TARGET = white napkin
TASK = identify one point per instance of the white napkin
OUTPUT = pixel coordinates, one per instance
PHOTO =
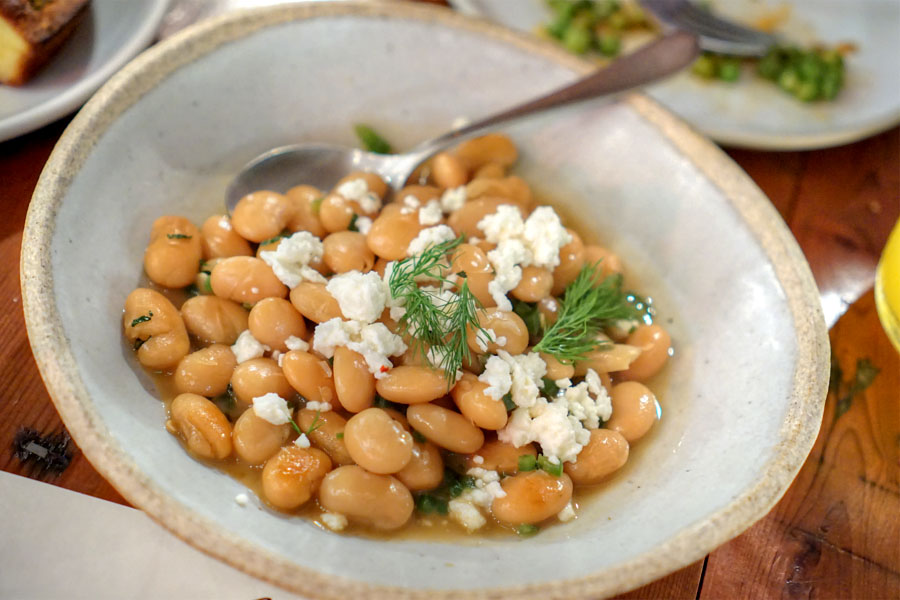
(55, 543)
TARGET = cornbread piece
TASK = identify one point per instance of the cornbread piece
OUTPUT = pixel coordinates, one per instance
(31, 31)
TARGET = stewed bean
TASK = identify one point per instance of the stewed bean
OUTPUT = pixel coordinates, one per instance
(214, 320)
(155, 329)
(326, 431)
(336, 212)
(310, 376)
(610, 263)
(172, 257)
(571, 260)
(532, 497)
(261, 215)
(353, 383)
(535, 284)
(377, 442)
(634, 410)
(555, 369)
(273, 320)
(448, 170)
(491, 148)
(605, 453)
(379, 501)
(245, 279)
(314, 302)
(373, 181)
(483, 410)
(654, 343)
(610, 358)
(347, 251)
(500, 456)
(255, 439)
(391, 233)
(510, 332)
(445, 428)
(425, 470)
(409, 384)
(512, 189)
(220, 240)
(466, 219)
(258, 377)
(291, 477)
(201, 424)
(206, 372)
(306, 202)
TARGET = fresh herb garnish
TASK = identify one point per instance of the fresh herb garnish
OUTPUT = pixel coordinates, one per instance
(371, 140)
(508, 402)
(530, 314)
(352, 226)
(551, 390)
(553, 468)
(383, 403)
(585, 308)
(226, 401)
(142, 319)
(527, 462)
(429, 503)
(315, 423)
(316, 204)
(178, 236)
(438, 325)
(339, 435)
(526, 530)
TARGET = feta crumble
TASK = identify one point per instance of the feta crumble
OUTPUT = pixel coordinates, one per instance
(453, 199)
(334, 521)
(560, 435)
(247, 347)
(363, 224)
(357, 190)
(467, 509)
(466, 513)
(242, 499)
(567, 513)
(302, 441)
(272, 408)
(290, 261)
(410, 205)
(431, 236)
(294, 343)
(362, 297)
(478, 459)
(520, 376)
(431, 213)
(373, 340)
(320, 406)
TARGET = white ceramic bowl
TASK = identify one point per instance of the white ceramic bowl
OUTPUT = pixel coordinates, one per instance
(744, 399)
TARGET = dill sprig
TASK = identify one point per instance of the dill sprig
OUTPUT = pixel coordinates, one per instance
(438, 326)
(585, 307)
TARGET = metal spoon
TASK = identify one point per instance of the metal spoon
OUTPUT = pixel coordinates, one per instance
(322, 165)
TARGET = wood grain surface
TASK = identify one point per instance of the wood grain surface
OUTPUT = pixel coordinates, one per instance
(836, 532)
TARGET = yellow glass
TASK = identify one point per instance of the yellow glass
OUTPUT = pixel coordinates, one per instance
(887, 287)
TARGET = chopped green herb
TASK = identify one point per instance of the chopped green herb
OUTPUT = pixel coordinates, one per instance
(530, 314)
(419, 437)
(247, 305)
(551, 390)
(382, 403)
(142, 319)
(429, 503)
(316, 204)
(339, 435)
(178, 236)
(315, 423)
(371, 140)
(460, 485)
(585, 308)
(226, 401)
(508, 402)
(527, 462)
(272, 240)
(555, 469)
(527, 530)
(352, 226)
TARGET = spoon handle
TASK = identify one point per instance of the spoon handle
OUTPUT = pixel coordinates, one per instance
(650, 63)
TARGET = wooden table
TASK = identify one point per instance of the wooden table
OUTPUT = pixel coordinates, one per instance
(835, 534)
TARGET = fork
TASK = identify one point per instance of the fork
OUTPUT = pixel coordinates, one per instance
(713, 34)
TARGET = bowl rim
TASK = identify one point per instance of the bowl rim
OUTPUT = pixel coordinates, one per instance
(55, 358)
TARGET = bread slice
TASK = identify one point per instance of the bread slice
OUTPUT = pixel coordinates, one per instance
(31, 31)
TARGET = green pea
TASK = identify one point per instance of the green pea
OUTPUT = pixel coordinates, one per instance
(729, 70)
(705, 67)
(609, 45)
(577, 40)
(788, 80)
(807, 91)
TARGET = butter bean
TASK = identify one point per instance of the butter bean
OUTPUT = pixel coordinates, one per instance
(377, 501)
(532, 497)
(202, 426)
(154, 327)
(291, 477)
(445, 428)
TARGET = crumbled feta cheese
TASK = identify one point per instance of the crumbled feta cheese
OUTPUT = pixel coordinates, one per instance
(334, 521)
(272, 408)
(294, 343)
(567, 513)
(563, 383)
(545, 235)
(242, 499)
(466, 514)
(478, 459)
(548, 423)
(357, 190)
(589, 410)
(276, 356)
(410, 205)
(431, 213)
(489, 481)
(428, 237)
(453, 199)
(362, 297)
(320, 406)
(247, 347)
(483, 337)
(373, 340)
(497, 375)
(501, 341)
(519, 375)
(280, 359)
(504, 224)
(302, 441)
(363, 225)
(505, 259)
(290, 261)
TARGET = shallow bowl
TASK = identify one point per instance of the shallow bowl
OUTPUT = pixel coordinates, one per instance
(743, 398)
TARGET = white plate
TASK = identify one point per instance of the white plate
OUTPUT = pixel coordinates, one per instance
(753, 113)
(112, 32)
